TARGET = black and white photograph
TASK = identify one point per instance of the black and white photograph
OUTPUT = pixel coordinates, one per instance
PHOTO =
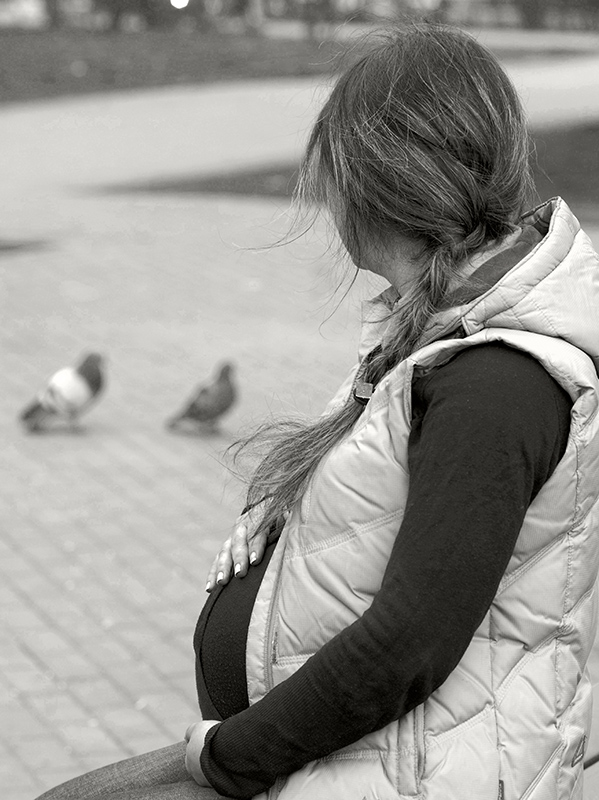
(299, 346)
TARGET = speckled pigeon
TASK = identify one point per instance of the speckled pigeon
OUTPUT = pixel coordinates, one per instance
(68, 393)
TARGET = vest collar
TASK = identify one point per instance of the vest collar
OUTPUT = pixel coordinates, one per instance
(518, 284)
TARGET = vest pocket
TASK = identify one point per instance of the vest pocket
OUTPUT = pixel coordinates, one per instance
(575, 725)
(410, 753)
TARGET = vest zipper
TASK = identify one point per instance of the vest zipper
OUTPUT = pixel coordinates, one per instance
(270, 658)
(271, 636)
(420, 743)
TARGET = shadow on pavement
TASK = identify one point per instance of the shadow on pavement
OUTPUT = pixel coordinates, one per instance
(276, 180)
(8, 247)
(565, 162)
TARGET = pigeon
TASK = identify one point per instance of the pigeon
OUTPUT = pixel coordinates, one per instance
(209, 402)
(68, 393)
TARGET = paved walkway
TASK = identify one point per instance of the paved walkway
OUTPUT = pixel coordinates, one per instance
(108, 534)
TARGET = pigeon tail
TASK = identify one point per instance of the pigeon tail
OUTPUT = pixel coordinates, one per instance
(35, 414)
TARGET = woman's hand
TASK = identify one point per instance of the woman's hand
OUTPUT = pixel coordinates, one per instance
(195, 736)
(242, 549)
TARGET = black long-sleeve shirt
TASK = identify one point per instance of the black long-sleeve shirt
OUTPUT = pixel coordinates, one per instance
(488, 430)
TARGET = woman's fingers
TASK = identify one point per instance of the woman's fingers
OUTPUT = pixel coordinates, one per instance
(256, 548)
(239, 549)
(221, 568)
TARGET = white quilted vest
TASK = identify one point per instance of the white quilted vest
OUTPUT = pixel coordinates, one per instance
(510, 721)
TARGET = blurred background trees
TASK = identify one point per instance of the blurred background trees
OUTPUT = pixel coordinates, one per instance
(110, 13)
(582, 14)
(251, 14)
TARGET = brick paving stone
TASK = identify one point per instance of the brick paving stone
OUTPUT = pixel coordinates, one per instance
(57, 707)
(16, 778)
(48, 778)
(145, 743)
(168, 657)
(103, 692)
(89, 739)
(18, 722)
(27, 678)
(184, 684)
(129, 722)
(166, 703)
(43, 755)
(68, 664)
(104, 651)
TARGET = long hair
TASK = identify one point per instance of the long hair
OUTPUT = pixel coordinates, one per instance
(423, 137)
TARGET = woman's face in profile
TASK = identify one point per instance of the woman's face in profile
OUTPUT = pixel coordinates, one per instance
(396, 259)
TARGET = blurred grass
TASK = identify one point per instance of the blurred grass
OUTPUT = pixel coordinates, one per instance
(40, 64)
(43, 64)
(566, 163)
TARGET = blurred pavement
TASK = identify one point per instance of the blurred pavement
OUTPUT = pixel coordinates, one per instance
(108, 533)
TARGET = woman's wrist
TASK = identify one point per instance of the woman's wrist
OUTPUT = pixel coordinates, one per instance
(195, 736)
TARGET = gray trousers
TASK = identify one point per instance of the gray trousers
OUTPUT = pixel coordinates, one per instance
(158, 775)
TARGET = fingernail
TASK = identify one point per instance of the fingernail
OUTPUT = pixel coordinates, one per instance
(237, 569)
(253, 558)
(208, 586)
(220, 577)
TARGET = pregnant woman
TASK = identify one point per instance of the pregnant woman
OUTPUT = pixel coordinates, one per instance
(407, 606)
